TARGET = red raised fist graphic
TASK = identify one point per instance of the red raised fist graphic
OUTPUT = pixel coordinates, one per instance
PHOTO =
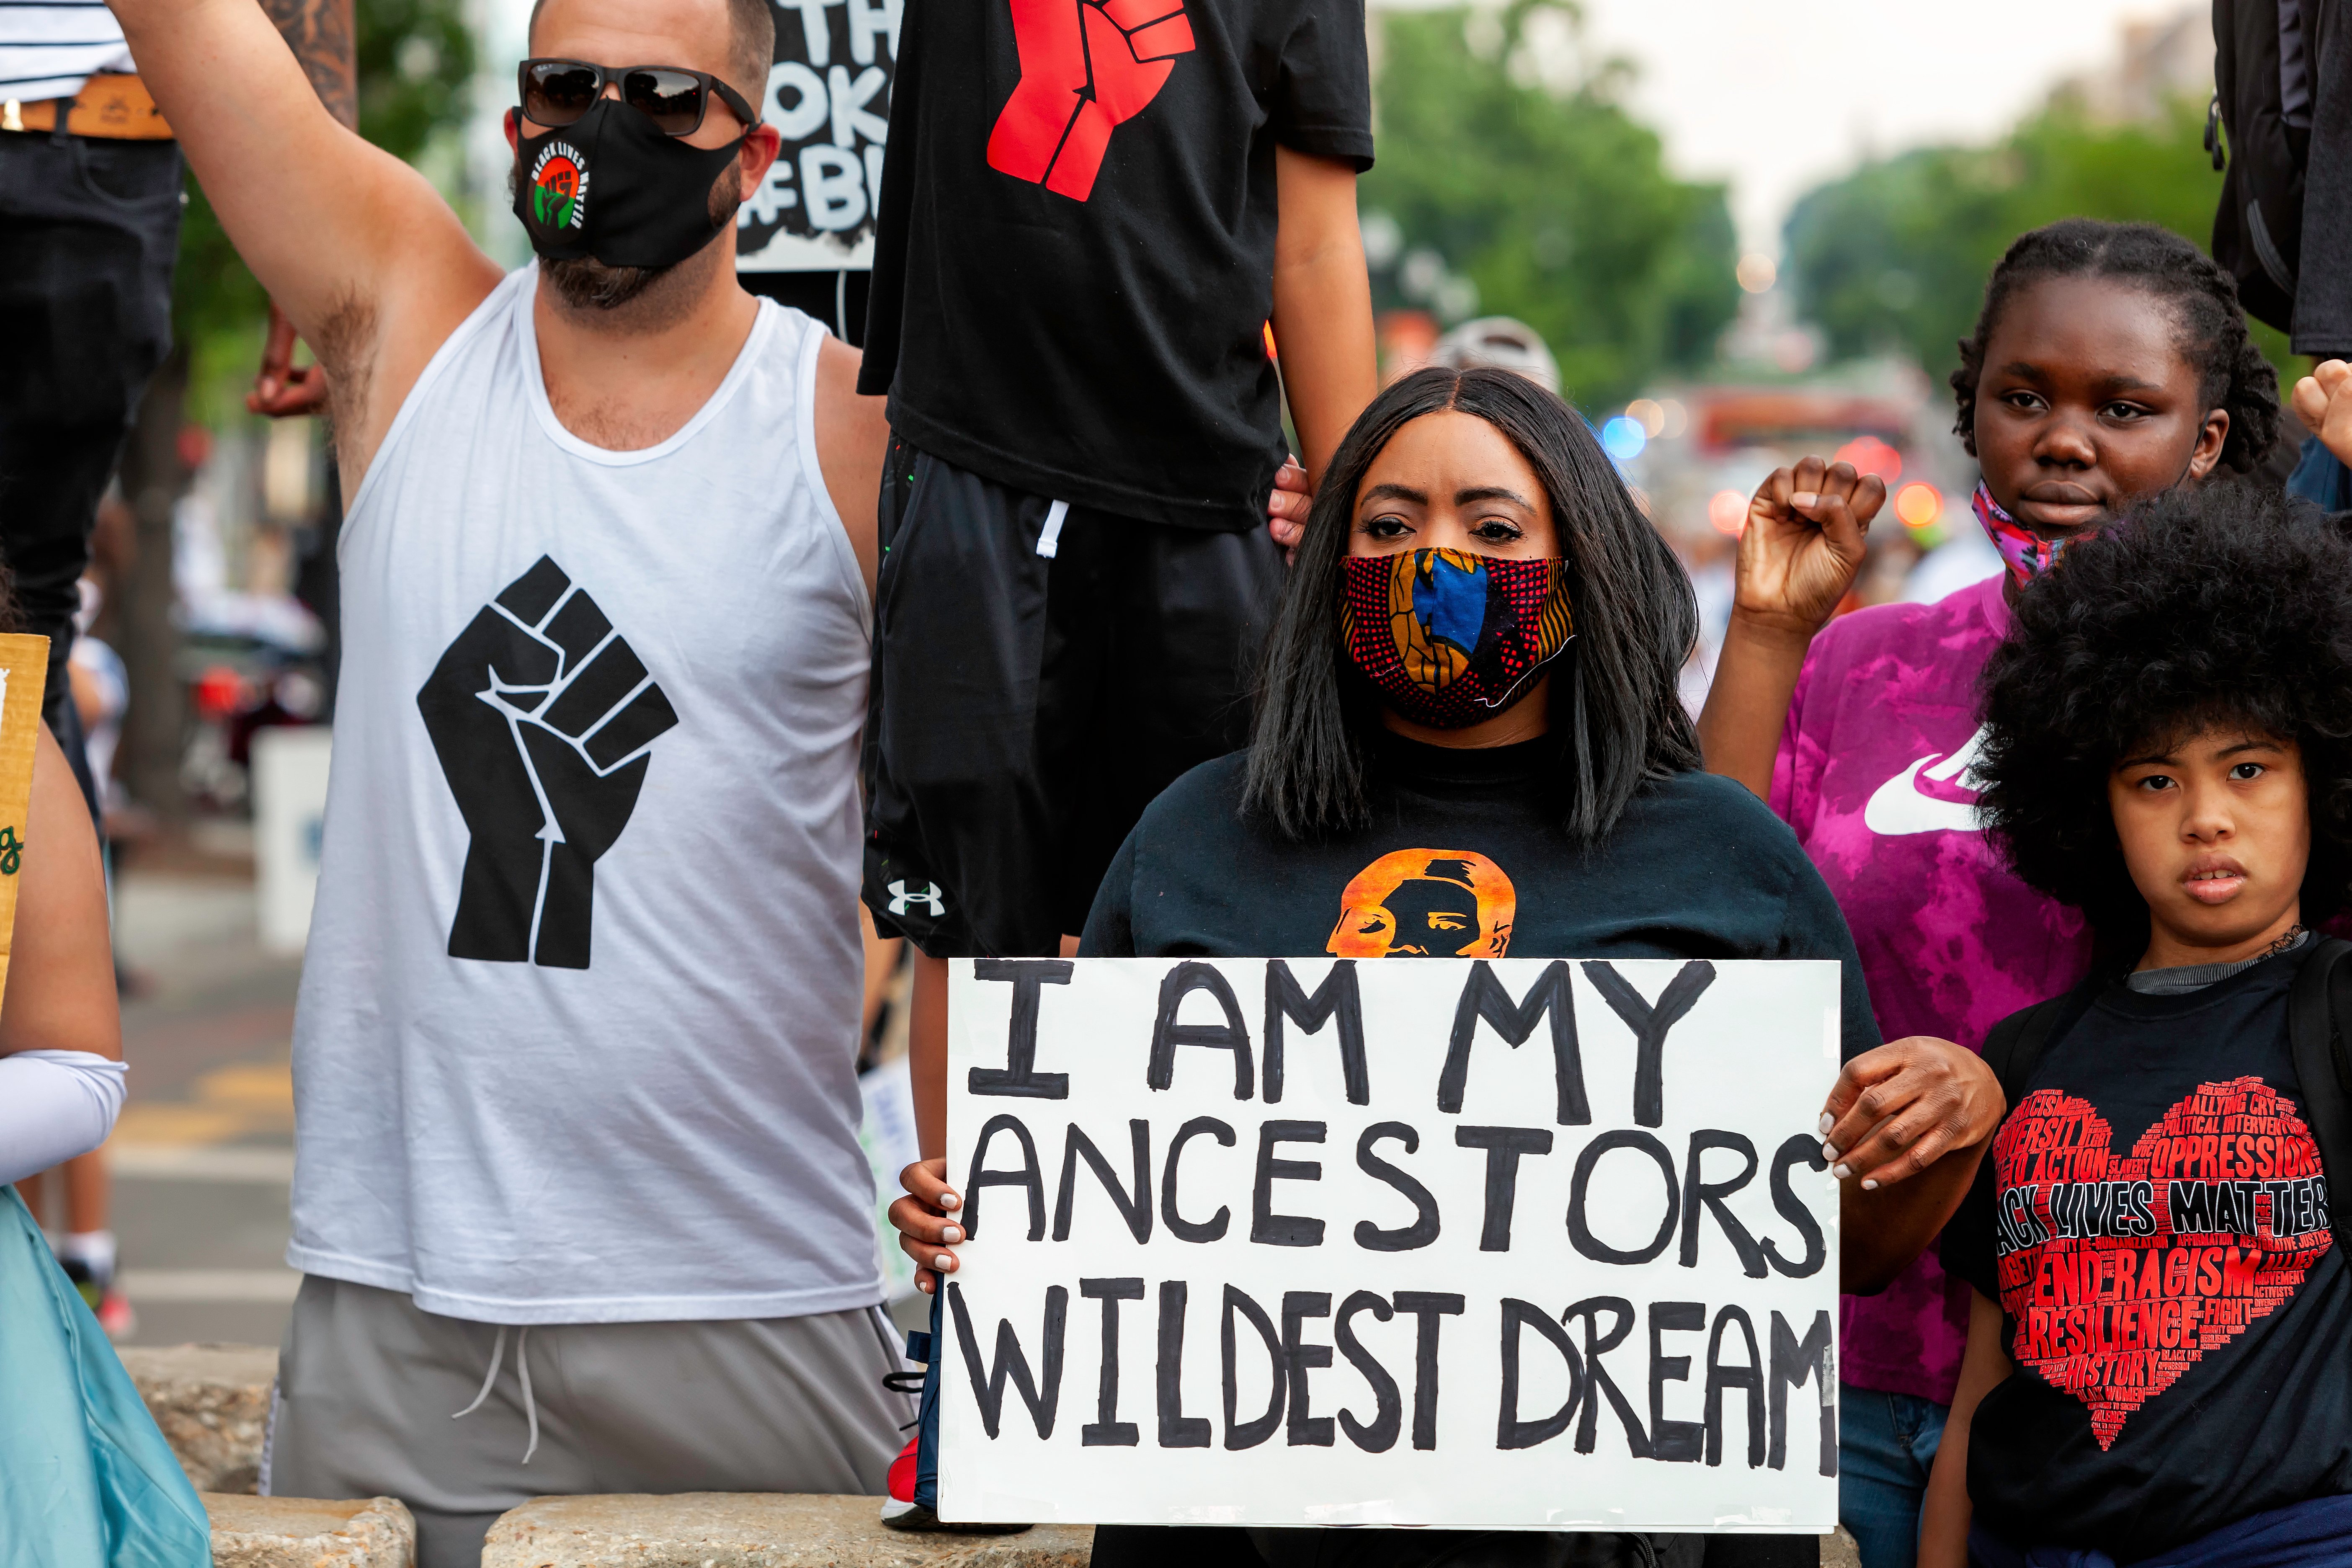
(1084, 68)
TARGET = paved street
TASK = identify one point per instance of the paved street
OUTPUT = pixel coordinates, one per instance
(204, 1152)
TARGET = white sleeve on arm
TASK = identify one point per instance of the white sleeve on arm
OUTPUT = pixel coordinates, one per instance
(53, 1106)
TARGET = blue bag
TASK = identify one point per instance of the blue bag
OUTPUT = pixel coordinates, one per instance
(85, 1480)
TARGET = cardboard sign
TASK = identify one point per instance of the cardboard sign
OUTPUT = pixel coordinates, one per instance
(1530, 1244)
(23, 674)
(828, 96)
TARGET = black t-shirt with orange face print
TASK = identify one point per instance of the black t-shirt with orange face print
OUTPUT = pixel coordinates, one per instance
(1467, 859)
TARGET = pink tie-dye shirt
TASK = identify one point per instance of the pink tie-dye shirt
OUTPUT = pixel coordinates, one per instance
(1873, 775)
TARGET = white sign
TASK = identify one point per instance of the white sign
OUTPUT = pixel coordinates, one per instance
(1508, 1244)
(289, 812)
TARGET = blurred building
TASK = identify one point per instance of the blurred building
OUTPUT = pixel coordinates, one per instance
(2155, 64)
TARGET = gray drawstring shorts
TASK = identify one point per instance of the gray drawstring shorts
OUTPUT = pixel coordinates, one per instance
(368, 1387)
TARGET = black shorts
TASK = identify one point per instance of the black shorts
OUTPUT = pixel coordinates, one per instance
(1028, 703)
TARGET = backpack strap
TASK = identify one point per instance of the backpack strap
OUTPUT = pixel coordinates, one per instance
(2316, 1009)
(2015, 1045)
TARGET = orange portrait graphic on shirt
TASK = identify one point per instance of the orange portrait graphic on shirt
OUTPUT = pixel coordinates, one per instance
(1426, 903)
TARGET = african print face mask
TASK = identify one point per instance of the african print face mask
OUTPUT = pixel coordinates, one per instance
(2027, 553)
(1451, 638)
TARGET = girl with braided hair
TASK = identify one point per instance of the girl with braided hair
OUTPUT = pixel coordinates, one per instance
(2111, 363)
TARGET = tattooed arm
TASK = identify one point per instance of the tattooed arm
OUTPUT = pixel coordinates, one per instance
(359, 248)
(320, 34)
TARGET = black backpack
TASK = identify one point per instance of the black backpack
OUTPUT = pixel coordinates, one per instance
(2322, 997)
(2258, 227)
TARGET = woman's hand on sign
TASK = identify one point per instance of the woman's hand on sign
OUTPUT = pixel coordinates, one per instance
(1898, 1109)
(1802, 546)
(927, 1221)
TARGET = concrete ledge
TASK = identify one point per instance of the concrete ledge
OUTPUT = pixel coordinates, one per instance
(302, 1532)
(213, 1404)
(754, 1529)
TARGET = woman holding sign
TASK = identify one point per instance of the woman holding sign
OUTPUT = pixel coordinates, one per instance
(1469, 744)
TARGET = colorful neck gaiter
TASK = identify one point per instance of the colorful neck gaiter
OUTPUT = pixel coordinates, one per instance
(1451, 638)
(2027, 553)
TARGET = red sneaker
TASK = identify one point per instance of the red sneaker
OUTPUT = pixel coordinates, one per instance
(115, 1316)
(902, 1473)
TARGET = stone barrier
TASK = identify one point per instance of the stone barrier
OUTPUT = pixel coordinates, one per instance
(302, 1532)
(213, 1404)
(748, 1529)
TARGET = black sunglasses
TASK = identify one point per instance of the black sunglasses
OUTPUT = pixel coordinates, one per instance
(557, 92)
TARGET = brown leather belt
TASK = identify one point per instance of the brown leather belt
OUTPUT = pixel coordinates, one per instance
(112, 105)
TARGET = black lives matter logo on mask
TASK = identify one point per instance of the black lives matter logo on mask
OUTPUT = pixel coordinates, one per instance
(543, 719)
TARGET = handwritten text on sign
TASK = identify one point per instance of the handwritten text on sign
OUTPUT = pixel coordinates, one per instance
(1314, 1242)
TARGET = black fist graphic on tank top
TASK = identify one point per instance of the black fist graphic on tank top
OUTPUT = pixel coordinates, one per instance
(542, 717)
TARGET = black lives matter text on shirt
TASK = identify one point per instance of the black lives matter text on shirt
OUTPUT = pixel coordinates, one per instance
(1755, 1357)
(1073, 270)
(1466, 858)
(2154, 1221)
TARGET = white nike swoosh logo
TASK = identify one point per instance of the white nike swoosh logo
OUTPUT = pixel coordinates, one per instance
(1898, 806)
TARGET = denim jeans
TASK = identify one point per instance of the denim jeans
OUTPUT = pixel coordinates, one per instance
(89, 230)
(1887, 1445)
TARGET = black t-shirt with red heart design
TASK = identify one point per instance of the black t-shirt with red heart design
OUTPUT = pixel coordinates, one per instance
(2154, 1221)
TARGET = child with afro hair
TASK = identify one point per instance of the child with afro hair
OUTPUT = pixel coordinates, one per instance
(2154, 1360)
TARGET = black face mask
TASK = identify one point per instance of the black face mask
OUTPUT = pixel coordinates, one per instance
(612, 187)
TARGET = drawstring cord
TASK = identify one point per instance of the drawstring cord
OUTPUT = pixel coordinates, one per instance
(522, 1370)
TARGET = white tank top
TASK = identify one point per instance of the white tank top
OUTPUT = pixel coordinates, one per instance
(578, 1017)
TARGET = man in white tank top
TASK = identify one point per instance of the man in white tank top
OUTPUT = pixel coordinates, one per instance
(575, 1102)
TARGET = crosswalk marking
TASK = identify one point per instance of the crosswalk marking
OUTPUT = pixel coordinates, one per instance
(136, 1161)
(264, 1285)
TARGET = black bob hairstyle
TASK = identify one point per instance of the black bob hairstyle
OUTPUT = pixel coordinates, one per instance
(2232, 373)
(1616, 716)
(2220, 604)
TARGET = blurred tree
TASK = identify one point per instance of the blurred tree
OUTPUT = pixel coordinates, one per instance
(1895, 256)
(416, 64)
(1505, 153)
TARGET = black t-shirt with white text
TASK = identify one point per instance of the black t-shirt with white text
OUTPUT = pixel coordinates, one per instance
(1074, 264)
(2153, 1219)
(1467, 858)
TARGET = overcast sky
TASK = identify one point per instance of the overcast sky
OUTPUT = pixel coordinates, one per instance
(1776, 95)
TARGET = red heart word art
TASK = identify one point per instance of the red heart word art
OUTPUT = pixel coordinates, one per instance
(2122, 1271)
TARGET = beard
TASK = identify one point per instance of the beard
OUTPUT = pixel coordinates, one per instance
(586, 284)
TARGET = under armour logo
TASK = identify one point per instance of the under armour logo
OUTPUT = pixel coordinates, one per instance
(934, 903)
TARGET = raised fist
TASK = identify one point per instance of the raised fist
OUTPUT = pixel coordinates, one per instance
(1084, 68)
(2323, 401)
(1802, 545)
(542, 716)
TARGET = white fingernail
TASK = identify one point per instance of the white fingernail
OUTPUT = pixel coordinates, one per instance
(949, 1200)
(1828, 1121)
(1840, 1172)
(950, 1235)
(944, 1261)
(1829, 1151)
(1870, 1185)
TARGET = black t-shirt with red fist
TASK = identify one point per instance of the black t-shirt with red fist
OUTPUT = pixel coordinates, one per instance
(1074, 267)
(2154, 1221)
